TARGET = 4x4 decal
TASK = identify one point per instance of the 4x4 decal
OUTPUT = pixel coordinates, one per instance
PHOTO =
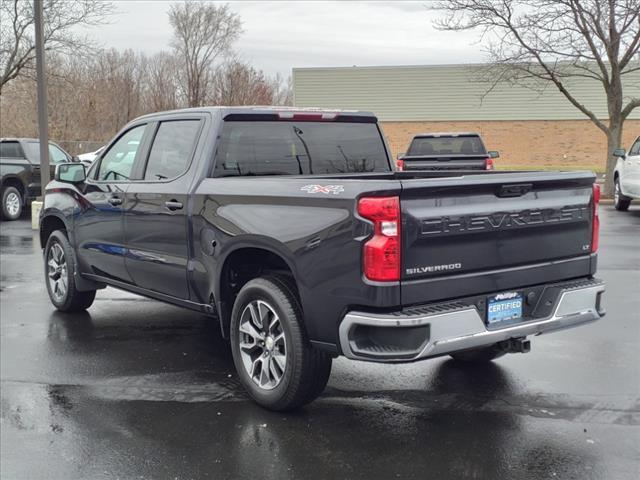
(326, 189)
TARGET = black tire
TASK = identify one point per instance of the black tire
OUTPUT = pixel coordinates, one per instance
(307, 369)
(12, 203)
(620, 202)
(72, 300)
(480, 355)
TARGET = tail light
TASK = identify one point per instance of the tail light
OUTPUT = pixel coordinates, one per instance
(399, 165)
(489, 164)
(595, 235)
(381, 253)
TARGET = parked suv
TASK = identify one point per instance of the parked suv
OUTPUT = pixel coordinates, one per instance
(20, 172)
(626, 176)
(293, 231)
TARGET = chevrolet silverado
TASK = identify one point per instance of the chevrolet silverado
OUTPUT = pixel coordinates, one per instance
(291, 229)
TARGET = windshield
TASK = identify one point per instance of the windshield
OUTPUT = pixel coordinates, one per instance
(299, 148)
(458, 145)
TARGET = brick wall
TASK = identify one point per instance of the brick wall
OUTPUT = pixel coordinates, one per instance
(531, 143)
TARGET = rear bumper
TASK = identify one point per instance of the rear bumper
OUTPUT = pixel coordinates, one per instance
(443, 329)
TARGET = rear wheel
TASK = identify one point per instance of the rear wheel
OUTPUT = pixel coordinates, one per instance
(274, 359)
(620, 202)
(59, 275)
(480, 355)
(12, 203)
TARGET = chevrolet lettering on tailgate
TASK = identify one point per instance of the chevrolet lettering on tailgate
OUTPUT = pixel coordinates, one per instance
(495, 221)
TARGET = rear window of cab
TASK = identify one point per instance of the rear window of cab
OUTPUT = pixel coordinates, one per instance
(247, 148)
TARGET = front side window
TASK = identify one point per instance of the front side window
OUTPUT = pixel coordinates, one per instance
(172, 148)
(117, 163)
(635, 149)
(248, 148)
(56, 155)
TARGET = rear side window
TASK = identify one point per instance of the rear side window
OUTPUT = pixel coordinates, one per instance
(11, 150)
(298, 148)
(460, 145)
(172, 149)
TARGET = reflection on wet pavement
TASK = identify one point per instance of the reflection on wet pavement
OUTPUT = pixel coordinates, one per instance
(138, 389)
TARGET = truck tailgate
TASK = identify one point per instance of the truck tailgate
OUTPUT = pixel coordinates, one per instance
(482, 233)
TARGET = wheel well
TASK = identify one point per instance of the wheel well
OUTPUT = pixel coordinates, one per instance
(240, 267)
(14, 182)
(48, 226)
(615, 175)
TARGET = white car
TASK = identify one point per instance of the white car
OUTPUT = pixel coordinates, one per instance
(626, 176)
(87, 158)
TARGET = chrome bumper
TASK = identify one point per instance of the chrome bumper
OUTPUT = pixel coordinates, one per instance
(461, 327)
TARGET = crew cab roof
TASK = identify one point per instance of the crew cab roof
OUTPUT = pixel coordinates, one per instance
(260, 110)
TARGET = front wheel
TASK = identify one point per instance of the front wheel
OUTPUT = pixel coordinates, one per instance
(12, 203)
(274, 359)
(59, 275)
(620, 202)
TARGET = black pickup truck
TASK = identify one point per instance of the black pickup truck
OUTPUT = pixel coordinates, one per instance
(292, 229)
(447, 151)
(20, 172)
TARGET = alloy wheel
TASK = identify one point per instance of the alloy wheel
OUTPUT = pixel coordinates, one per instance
(57, 272)
(263, 346)
(12, 204)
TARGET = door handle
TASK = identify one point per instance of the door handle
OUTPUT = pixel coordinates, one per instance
(173, 205)
(115, 201)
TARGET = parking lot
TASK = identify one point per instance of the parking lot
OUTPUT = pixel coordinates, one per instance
(138, 389)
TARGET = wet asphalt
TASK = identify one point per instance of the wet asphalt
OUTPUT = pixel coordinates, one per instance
(136, 389)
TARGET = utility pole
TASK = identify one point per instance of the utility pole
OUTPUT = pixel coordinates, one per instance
(43, 128)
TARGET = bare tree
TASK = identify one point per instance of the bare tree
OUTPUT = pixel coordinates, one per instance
(237, 83)
(552, 41)
(283, 91)
(117, 88)
(162, 89)
(203, 33)
(17, 42)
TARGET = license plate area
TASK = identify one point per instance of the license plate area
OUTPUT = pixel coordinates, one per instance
(504, 307)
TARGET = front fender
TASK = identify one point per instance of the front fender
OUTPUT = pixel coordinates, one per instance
(63, 201)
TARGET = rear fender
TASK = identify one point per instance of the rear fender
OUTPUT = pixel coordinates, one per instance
(252, 242)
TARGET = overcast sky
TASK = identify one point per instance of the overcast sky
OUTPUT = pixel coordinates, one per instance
(281, 35)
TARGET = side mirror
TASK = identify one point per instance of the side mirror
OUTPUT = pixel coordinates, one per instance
(620, 152)
(70, 173)
(493, 154)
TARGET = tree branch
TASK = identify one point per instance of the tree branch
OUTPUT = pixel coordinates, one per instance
(626, 111)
